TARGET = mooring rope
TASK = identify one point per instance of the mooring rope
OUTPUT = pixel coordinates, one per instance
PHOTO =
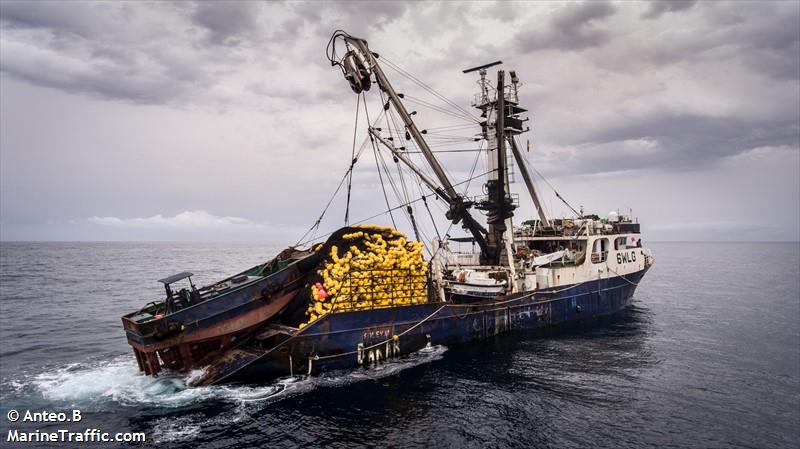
(623, 277)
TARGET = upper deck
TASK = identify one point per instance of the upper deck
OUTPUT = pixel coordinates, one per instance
(575, 228)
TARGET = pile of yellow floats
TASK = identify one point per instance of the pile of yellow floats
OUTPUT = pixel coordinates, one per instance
(371, 267)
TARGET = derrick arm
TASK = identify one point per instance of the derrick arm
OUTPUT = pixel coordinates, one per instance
(458, 206)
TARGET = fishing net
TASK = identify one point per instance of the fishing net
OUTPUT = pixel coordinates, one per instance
(366, 267)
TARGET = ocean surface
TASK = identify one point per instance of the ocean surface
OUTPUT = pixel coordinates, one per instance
(708, 355)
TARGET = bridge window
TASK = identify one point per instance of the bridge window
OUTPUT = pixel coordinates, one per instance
(620, 243)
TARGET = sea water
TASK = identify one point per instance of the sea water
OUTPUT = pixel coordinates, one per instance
(708, 355)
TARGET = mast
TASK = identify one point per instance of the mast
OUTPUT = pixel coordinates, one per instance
(500, 124)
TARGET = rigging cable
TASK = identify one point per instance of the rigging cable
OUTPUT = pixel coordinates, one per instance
(335, 192)
(529, 164)
(466, 181)
(453, 127)
(442, 137)
(395, 132)
(466, 190)
(558, 195)
(404, 198)
(409, 209)
(434, 107)
(392, 184)
(375, 153)
(420, 83)
(353, 161)
(430, 214)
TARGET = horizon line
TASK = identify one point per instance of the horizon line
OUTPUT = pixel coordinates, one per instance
(276, 243)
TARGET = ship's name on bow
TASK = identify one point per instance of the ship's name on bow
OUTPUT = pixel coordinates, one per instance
(626, 257)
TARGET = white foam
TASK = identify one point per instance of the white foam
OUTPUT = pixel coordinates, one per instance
(97, 384)
(196, 376)
(119, 380)
(76, 382)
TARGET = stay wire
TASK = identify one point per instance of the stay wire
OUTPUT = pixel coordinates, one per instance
(352, 161)
(558, 195)
(395, 133)
(439, 109)
(466, 181)
(464, 115)
(420, 83)
(378, 167)
(466, 190)
(403, 200)
(335, 192)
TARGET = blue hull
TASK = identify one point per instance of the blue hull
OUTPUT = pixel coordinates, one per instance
(352, 339)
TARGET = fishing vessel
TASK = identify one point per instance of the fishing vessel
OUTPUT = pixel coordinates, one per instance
(366, 293)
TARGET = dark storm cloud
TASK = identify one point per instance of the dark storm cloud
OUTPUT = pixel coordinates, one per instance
(71, 18)
(657, 8)
(168, 53)
(355, 17)
(769, 38)
(97, 81)
(765, 36)
(115, 72)
(227, 22)
(732, 86)
(379, 14)
(679, 142)
(110, 50)
(375, 14)
(573, 28)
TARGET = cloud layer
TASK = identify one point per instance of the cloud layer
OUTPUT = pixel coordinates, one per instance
(129, 109)
(187, 220)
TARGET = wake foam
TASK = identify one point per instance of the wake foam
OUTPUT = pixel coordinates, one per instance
(119, 381)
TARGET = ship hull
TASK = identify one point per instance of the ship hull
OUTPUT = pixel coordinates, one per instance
(187, 338)
(360, 338)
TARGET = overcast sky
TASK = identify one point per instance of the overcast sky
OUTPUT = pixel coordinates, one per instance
(224, 121)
